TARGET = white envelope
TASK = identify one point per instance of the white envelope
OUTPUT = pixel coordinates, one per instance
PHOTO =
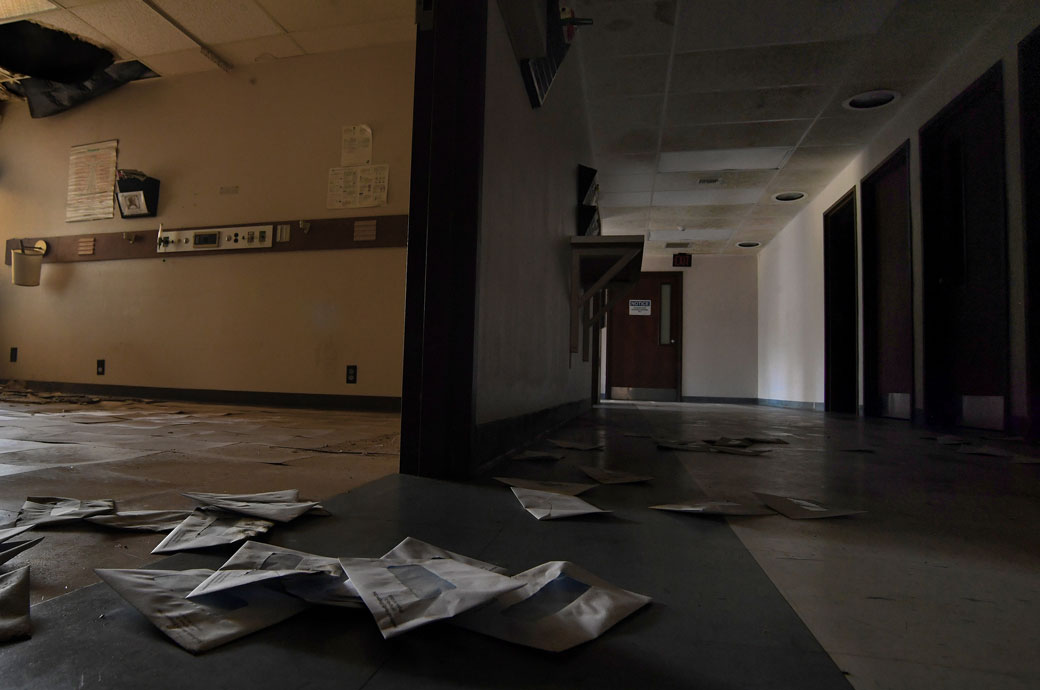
(211, 528)
(142, 520)
(415, 549)
(47, 510)
(546, 505)
(9, 550)
(560, 605)
(406, 594)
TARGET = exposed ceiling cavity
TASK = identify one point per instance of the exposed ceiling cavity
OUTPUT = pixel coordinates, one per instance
(36, 51)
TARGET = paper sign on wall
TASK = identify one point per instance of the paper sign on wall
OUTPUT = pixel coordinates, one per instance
(357, 145)
(92, 182)
(639, 307)
(358, 187)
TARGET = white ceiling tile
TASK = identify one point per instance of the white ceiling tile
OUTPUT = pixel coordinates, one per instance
(625, 199)
(9, 9)
(302, 15)
(642, 111)
(624, 140)
(359, 36)
(625, 76)
(623, 226)
(846, 130)
(66, 21)
(624, 212)
(724, 159)
(769, 66)
(785, 103)
(707, 197)
(255, 50)
(687, 215)
(179, 62)
(609, 184)
(821, 157)
(743, 24)
(135, 26)
(627, 28)
(731, 179)
(220, 22)
(733, 136)
(626, 163)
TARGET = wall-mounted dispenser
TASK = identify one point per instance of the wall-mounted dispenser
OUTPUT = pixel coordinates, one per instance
(137, 194)
(26, 263)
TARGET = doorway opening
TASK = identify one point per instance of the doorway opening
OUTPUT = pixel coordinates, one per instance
(841, 334)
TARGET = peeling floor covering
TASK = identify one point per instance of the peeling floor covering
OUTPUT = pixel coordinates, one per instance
(144, 454)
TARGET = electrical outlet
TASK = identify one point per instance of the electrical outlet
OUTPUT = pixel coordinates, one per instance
(101, 367)
(14, 354)
(351, 373)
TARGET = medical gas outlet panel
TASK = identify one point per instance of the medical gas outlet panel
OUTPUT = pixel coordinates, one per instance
(245, 237)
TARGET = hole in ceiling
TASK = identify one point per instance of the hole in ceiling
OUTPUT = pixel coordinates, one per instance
(749, 245)
(37, 51)
(870, 100)
(789, 196)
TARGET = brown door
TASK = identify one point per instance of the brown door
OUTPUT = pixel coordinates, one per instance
(644, 341)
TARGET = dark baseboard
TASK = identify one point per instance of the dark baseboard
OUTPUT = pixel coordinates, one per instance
(711, 400)
(368, 403)
(792, 404)
(494, 439)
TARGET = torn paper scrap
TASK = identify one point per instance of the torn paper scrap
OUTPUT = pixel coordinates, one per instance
(142, 520)
(15, 623)
(539, 455)
(559, 606)
(716, 508)
(605, 476)
(403, 595)
(575, 445)
(200, 624)
(6, 534)
(211, 528)
(546, 505)
(417, 550)
(10, 549)
(48, 510)
(566, 488)
(280, 506)
(318, 579)
(801, 509)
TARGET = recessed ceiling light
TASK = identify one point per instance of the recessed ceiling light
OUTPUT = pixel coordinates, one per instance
(749, 245)
(789, 196)
(869, 100)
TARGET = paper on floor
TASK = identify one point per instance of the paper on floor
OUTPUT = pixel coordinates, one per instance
(538, 455)
(6, 534)
(142, 520)
(315, 579)
(605, 476)
(48, 510)
(688, 446)
(546, 505)
(406, 594)
(801, 509)
(10, 549)
(560, 605)
(575, 445)
(209, 527)
(200, 624)
(565, 488)
(716, 508)
(417, 550)
(280, 506)
(15, 623)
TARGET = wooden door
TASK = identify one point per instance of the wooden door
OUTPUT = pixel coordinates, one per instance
(644, 341)
(888, 306)
(840, 321)
(966, 339)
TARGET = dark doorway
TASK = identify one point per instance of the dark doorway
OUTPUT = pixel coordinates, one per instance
(888, 306)
(644, 341)
(839, 278)
(966, 342)
(1029, 94)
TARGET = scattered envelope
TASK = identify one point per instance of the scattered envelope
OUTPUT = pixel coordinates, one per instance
(566, 488)
(49, 510)
(403, 595)
(15, 623)
(605, 476)
(801, 509)
(416, 550)
(6, 534)
(546, 505)
(716, 508)
(280, 506)
(200, 624)
(10, 549)
(142, 520)
(539, 455)
(558, 606)
(575, 445)
(211, 528)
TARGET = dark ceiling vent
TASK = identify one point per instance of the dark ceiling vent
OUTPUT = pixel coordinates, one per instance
(708, 180)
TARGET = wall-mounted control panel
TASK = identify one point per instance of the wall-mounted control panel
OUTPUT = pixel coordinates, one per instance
(244, 237)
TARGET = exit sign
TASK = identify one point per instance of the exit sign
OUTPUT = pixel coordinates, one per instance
(682, 260)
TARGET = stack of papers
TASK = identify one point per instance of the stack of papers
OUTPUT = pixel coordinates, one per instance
(14, 605)
(208, 527)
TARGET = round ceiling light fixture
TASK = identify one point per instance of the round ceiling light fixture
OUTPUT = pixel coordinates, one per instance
(789, 196)
(749, 245)
(871, 100)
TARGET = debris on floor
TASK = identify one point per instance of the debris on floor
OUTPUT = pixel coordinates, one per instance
(142, 520)
(605, 476)
(539, 455)
(211, 527)
(10, 549)
(565, 488)
(801, 509)
(279, 506)
(49, 510)
(15, 623)
(717, 508)
(575, 445)
(546, 505)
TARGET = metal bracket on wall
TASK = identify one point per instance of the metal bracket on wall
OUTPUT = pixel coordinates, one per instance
(600, 263)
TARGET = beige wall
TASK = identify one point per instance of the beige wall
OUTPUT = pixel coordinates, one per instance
(790, 268)
(531, 159)
(284, 322)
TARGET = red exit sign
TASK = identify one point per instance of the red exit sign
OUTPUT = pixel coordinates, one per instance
(682, 260)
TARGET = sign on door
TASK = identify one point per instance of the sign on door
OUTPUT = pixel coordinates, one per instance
(639, 307)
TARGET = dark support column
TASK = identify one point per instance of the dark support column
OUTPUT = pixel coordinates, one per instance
(437, 420)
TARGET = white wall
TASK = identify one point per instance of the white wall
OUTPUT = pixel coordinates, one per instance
(790, 267)
(529, 204)
(720, 325)
(281, 322)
